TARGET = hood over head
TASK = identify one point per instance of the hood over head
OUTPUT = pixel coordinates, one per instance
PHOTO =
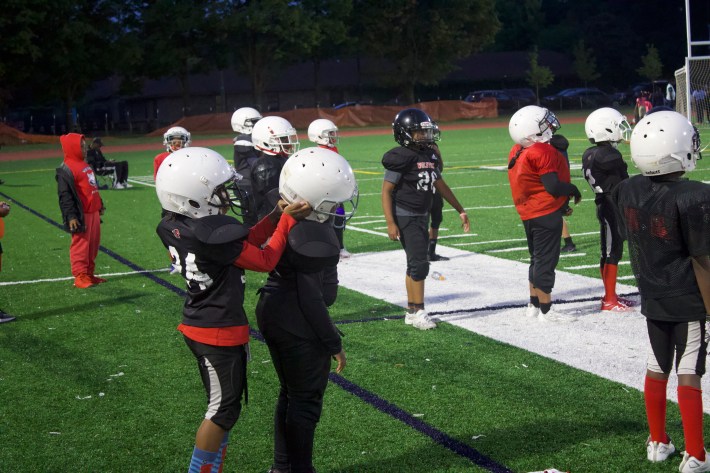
(71, 145)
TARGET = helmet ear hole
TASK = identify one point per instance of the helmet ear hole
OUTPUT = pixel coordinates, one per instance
(193, 204)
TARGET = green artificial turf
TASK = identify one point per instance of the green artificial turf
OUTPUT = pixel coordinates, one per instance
(99, 380)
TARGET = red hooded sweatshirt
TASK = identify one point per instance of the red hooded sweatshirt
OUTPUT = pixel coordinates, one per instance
(84, 178)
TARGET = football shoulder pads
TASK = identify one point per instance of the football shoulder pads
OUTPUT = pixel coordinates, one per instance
(399, 159)
(314, 240)
(218, 229)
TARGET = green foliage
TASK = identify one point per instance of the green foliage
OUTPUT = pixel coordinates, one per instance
(651, 67)
(538, 76)
(422, 40)
(585, 64)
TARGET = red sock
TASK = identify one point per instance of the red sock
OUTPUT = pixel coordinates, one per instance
(690, 402)
(654, 393)
(609, 278)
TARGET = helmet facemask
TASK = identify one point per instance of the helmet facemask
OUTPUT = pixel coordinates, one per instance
(229, 196)
(548, 126)
(285, 145)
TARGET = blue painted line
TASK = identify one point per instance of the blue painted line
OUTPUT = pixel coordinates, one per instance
(377, 402)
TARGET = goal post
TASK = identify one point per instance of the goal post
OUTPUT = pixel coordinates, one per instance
(693, 89)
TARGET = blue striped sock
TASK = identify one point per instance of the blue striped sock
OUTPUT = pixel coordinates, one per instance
(217, 465)
(201, 461)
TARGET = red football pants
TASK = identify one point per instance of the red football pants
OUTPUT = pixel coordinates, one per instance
(85, 246)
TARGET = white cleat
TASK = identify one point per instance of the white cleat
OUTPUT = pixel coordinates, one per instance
(531, 310)
(690, 464)
(659, 451)
(420, 320)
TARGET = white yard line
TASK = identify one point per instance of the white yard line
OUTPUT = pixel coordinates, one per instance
(69, 278)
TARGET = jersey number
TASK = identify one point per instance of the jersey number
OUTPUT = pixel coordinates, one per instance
(426, 181)
(191, 273)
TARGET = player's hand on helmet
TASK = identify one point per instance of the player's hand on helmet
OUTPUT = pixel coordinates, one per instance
(393, 231)
(340, 358)
(298, 210)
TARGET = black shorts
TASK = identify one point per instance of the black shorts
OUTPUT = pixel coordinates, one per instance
(683, 341)
(224, 375)
(544, 235)
(414, 237)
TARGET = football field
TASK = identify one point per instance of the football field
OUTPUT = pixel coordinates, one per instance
(99, 380)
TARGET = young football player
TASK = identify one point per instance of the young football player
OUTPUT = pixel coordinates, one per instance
(540, 184)
(245, 156)
(211, 250)
(174, 139)
(561, 144)
(324, 133)
(667, 222)
(411, 179)
(276, 140)
(81, 207)
(604, 168)
(292, 311)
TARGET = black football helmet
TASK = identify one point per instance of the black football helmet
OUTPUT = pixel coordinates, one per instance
(413, 128)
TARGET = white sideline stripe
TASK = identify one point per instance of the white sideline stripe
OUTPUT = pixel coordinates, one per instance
(590, 266)
(489, 242)
(611, 345)
(507, 250)
(35, 281)
(572, 255)
(142, 180)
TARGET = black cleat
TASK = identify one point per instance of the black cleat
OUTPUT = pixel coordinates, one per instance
(5, 317)
(568, 248)
(435, 257)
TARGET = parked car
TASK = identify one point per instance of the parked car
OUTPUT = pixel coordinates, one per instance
(524, 96)
(505, 100)
(578, 98)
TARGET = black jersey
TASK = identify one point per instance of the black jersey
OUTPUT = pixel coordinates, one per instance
(415, 173)
(304, 283)
(265, 178)
(204, 251)
(603, 168)
(667, 222)
(245, 156)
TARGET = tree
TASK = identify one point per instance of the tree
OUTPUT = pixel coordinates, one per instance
(264, 36)
(585, 64)
(522, 22)
(421, 40)
(329, 20)
(538, 76)
(651, 67)
(177, 41)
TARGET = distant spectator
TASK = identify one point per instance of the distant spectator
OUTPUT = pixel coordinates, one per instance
(4, 211)
(81, 207)
(670, 95)
(96, 159)
(643, 106)
(699, 96)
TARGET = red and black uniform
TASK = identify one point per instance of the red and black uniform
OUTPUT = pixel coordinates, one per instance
(292, 314)
(212, 253)
(540, 184)
(604, 168)
(79, 199)
(413, 173)
(158, 160)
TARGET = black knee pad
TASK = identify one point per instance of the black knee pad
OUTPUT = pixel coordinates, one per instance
(419, 271)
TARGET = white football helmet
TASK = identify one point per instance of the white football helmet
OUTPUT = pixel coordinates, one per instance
(197, 182)
(607, 124)
(275, 136)
(665, 142)
(243, 120)
(322, 178)
(176, 138)
(323, 132)
(532, 124)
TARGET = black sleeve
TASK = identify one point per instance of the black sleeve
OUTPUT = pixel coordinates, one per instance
(67, 203)
(399, 160)
(312, 302)
(557, 188)
(330, 285)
